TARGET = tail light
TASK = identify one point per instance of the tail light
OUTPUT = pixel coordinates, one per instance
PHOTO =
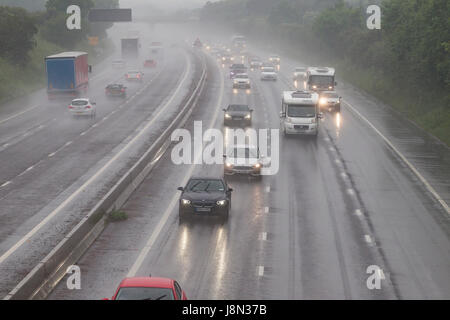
(70, 106)
(122, 90)
(88, 107)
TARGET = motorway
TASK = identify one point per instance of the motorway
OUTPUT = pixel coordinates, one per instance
(338, 204)
(54, 167)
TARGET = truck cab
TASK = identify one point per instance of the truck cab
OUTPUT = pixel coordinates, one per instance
(320, 79)
(300, 113)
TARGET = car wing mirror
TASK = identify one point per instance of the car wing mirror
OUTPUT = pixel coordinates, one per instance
(230, 189)
(180, 188)
(224, 109)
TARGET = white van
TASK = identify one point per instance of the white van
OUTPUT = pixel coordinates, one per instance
(300, 113)
(320, 79)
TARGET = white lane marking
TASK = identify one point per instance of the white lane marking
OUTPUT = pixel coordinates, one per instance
(83, 133)
(5, 184)
(51, 154)
(266, 209)
(351, 192)
(263, 236)
(268, 189)
(260, 271)
(33, 231)
(409, 164)
(68, 143)
(344, 175)
(337, 161)
(368, 238)
(162, 222)
(94, 125)
(30, 168)
(358, 212)
(5, 145)
(17, 114)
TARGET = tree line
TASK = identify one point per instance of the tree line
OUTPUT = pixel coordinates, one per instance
(19, 27)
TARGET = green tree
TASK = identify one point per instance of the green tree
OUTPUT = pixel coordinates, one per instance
(17, 30)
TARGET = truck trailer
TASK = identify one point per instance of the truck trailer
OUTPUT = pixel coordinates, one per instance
(130, 48)
(67, 74)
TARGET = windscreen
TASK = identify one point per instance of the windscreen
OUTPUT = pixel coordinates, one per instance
(238, 107)
(322, 80)
(143, 293)
(301, 111)
(239, 152)
(79, 103)
(198, 185)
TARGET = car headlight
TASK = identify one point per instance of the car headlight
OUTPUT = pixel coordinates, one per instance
(323, 101)
(288, 120)
(313, 120)
(257, 165)
(227, 116)
(223, 58)
(228, 165)
(314, 87)
(185, 202)
(248, 116)
(232, 58)
(221, 202)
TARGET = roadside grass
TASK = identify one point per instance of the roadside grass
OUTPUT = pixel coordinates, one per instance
(16, 81)
(429, 110)
(117, 215)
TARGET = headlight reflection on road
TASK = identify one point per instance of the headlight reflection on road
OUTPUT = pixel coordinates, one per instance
(183, 240)
(221, 249)
(338, 122)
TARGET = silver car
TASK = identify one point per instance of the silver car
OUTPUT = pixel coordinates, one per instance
(82, 107)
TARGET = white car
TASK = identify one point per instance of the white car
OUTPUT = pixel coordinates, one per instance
(275, 59)
(243, 159)
(299, 74)
(268, 73)
(82, 107)
(241, 81)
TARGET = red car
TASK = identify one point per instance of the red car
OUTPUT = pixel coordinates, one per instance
(149, 288)
(149, 63)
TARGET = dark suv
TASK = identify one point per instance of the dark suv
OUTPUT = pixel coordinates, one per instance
(237, 114)
(116, 90)
(205, 197)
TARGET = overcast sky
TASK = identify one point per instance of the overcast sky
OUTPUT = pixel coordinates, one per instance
(163, 4)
